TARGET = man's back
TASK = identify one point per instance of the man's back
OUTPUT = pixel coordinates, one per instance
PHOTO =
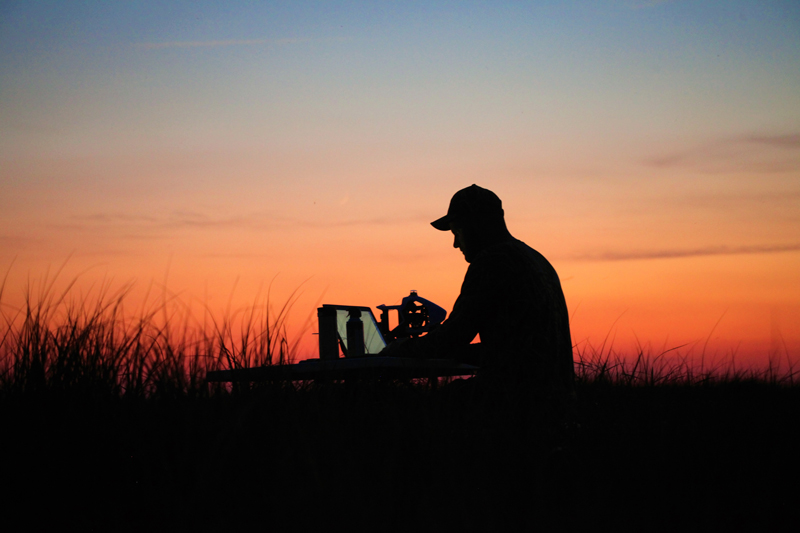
(525, 334)
(512, 297)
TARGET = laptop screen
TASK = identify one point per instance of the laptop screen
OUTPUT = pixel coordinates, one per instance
(373, 340)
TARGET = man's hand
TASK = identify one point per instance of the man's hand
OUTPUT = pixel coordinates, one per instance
(398, 348)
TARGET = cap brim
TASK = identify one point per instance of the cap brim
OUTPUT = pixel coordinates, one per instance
(443, 224)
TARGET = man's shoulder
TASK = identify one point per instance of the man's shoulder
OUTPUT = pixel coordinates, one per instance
(512, 258)
(511, 250)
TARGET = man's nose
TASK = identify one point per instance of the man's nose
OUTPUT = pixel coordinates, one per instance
(456, 244)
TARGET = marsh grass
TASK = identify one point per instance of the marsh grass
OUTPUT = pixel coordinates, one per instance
(64, 341)
(681, 365)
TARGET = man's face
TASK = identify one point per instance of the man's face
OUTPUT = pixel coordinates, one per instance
(462, 241)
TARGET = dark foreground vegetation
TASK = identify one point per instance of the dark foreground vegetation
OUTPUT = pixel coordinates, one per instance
(108, 425)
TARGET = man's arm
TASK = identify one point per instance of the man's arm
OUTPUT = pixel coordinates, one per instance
(452, 339)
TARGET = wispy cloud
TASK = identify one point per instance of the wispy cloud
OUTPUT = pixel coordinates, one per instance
(13, 242)
(171, 221)
(374, 221)
(755, 152)
(217, 43)
(643, 4)
(136, 226)
(778, 141)
(114, 218)
(235, 255)
(634, 255)
(778, 202)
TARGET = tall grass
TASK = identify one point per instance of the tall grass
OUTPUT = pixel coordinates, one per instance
(65, 341)
(681, 365)
(68, 341)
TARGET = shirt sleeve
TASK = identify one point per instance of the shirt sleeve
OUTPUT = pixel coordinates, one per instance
(451, 340)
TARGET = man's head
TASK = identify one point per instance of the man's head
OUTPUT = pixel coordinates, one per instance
(471, 206)
(475, 217)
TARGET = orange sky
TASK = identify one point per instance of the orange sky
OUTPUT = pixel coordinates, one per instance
(650, 150)
(649, 271)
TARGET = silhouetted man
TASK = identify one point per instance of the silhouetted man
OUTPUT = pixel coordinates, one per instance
(512, 297)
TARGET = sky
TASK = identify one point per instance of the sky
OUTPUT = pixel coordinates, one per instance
(220, 150)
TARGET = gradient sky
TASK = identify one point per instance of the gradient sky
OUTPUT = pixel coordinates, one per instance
(649, 149)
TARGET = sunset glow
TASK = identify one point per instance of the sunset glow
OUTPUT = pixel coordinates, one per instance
(650, 150)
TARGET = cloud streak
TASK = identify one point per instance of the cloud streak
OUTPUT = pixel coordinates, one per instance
(217, 43)
(11, 242)
(644, 4)
(142, 226)
(637, 255)
(760, 153)
(778, 141)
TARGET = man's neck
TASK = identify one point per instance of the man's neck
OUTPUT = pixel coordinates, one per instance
(493, 238)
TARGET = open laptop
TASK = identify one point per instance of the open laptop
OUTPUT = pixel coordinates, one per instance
(333, 330)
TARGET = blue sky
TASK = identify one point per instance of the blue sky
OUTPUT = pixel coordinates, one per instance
(430, 71)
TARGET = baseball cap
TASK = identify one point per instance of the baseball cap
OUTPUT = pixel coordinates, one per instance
(471, 203)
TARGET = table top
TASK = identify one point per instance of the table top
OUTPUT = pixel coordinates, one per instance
(348, 367)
